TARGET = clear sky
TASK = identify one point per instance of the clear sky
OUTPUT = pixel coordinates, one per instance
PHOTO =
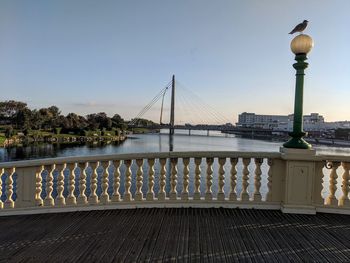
(115, 56)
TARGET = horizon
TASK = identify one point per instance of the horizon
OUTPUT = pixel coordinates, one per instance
(115, 57)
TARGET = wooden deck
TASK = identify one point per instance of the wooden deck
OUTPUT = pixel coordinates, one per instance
(171, 234)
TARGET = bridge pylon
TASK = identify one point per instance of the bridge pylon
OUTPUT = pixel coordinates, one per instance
(172, 108)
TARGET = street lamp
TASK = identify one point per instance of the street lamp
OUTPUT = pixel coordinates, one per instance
(300, 46)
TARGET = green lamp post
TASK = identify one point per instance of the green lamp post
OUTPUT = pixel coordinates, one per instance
(300, 46)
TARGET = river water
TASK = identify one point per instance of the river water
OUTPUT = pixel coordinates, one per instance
(138, 143)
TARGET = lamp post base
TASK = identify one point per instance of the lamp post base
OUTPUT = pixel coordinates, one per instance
(298, 143)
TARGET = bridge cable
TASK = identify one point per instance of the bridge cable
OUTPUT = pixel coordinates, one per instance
(150, 104)
(202, 106)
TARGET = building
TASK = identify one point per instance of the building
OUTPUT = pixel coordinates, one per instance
(312, 122)
(252, 120)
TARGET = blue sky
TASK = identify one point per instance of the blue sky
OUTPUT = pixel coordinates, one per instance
(115, 56)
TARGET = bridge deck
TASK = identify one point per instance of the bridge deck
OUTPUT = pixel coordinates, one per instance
(182, 235)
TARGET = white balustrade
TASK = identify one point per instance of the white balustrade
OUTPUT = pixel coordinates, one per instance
(127, 184)
(221, 181)
(197, 179)
(49, 201)
(233, 172)
(209, 179)
(139, 178)
(71, 199)
(188, 193)
(104, 198)
(116, 182)
(93, 198)
(269, 180)
(9, 203)
(173, 179)
(82, 198)
(331, 199)
(60, 200)
(345, 185)
(245, 178)
(257, 179)
(186, 177)
(161, 194)
(150, 193)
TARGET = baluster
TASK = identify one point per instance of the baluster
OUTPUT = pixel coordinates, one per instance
(150, 193)
(221, 181)
(331, 199)
(257, 179)
(269, 181)
(197, 179)
(60, 200)
(71, 200)
(173, 179)
(38, 186)
(209, 181)
(104, 198)
(186, 177)
(82, 199)
(116, 182)
(139, 178)
(233, 179)
(9, 203)
(245, 178)
(1, 173)
(93, 198)
(127, 184)
(49, 201)
(161, 194)
(345, 186)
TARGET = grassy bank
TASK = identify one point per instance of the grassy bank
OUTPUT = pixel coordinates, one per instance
(48, 137)
(2, 139)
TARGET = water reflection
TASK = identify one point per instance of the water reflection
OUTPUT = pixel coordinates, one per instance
(181, 141)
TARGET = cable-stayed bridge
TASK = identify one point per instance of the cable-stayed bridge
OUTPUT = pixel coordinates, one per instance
(192, 110)
(188, 108)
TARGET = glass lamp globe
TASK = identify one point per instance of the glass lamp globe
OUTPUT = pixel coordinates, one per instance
(301, 44)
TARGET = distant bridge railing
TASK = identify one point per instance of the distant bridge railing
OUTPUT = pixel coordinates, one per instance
(287, 181)
(207, 127)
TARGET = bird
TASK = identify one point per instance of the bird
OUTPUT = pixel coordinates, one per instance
(300, 27)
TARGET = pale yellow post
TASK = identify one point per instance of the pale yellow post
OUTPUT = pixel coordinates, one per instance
(221, 182)
(150, 193)
(116, 182)
(173, 179)
(186, 177)
(233, 179)
(161, 194)
(60, 200)
(49, 201)
(82, 198)
(139, 180)
(197, 179)
(9, 203)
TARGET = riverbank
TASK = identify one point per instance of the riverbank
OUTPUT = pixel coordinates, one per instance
(312, 140)
(57, 138)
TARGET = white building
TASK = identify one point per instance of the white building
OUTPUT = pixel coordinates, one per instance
(252, 120)
(312, 122)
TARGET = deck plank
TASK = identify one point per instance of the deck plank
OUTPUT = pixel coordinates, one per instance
(175, 235)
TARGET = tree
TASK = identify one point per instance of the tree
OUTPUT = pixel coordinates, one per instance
(24, 118)
(9, 132)
(118, 122)
(9, 110)
(99, 121)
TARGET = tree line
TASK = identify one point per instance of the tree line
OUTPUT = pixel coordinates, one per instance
(17, 115)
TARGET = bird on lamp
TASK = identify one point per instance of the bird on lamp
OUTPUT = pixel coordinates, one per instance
(300, 27)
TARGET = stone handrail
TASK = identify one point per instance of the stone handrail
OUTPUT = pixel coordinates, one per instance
(291, 182)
